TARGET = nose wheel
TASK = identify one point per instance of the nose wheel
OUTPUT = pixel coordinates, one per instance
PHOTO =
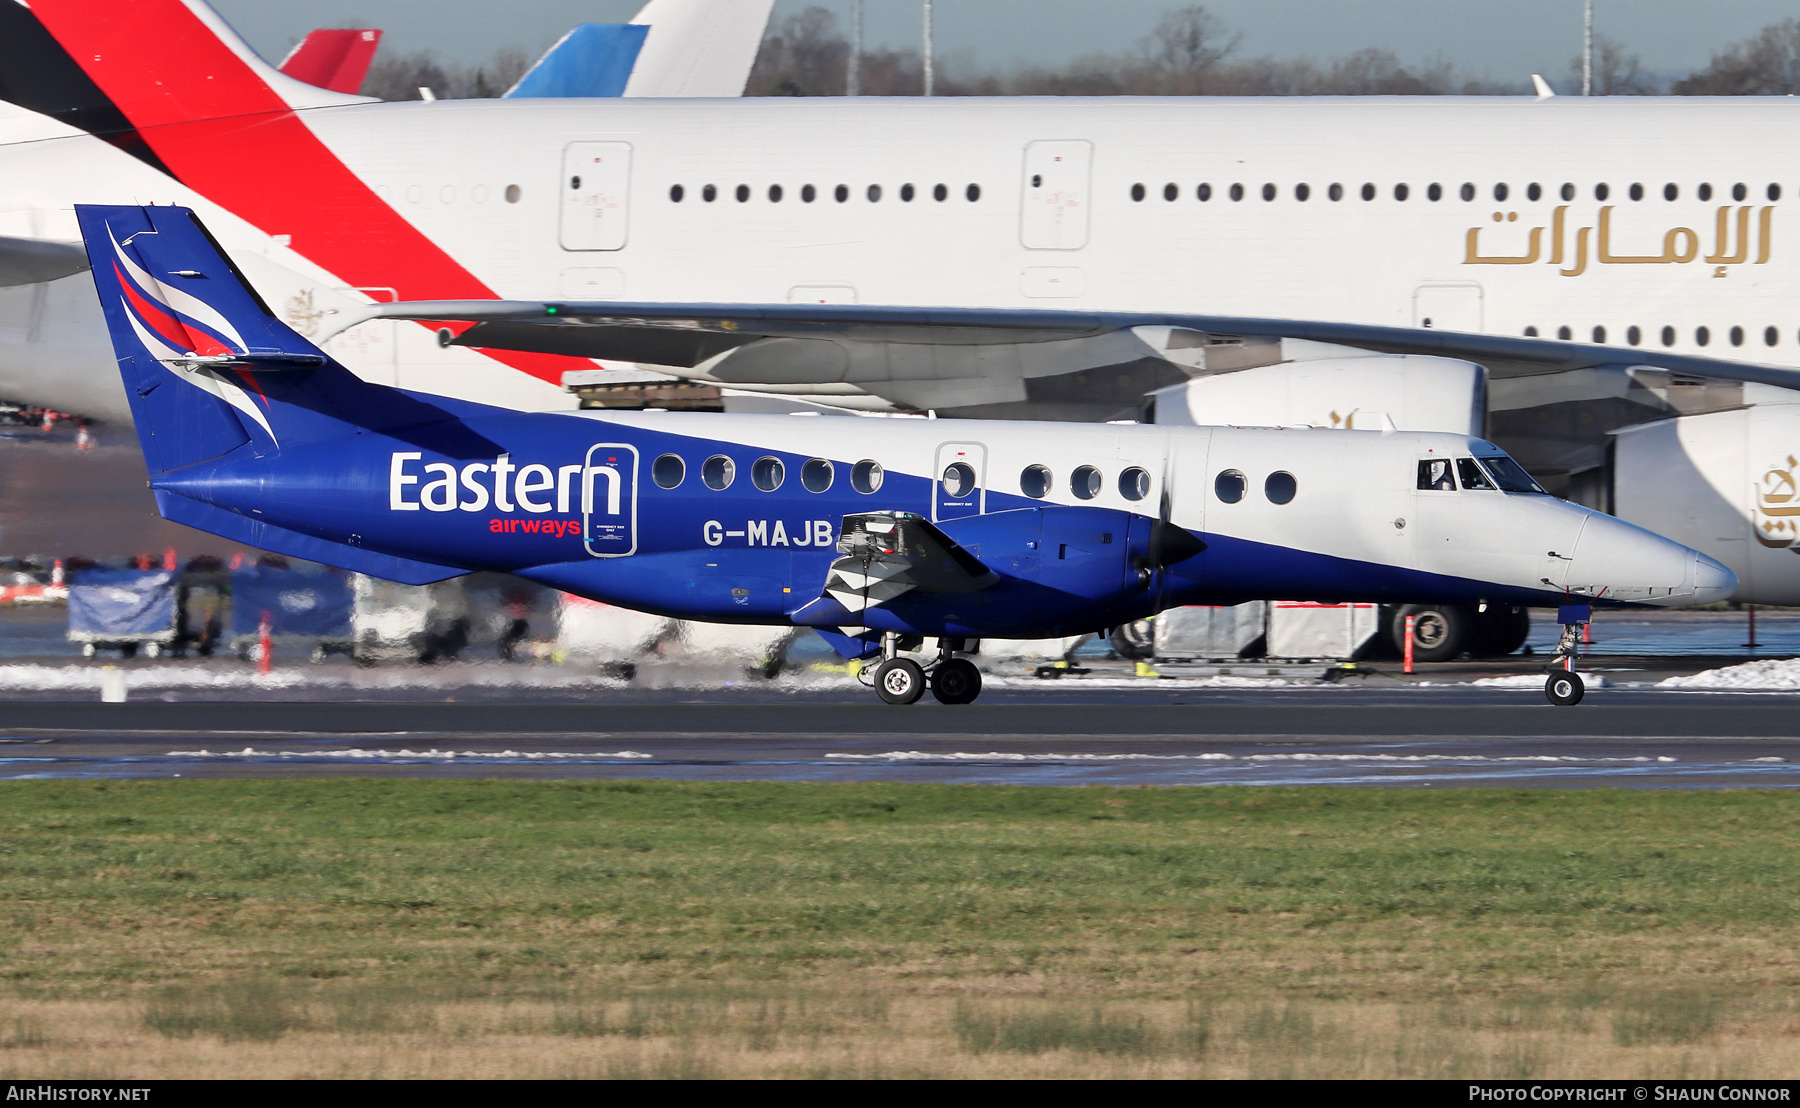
(1565, 689)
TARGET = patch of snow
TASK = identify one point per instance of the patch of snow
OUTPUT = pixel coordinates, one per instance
(1536, 681)
(1767, 675)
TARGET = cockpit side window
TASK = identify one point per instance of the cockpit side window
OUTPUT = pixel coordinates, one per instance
(1434, 474)
(1472, 476)
(1510, 475)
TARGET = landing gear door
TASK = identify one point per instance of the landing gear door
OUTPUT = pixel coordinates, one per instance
(960, 487)
(607, 484)
(596, 185)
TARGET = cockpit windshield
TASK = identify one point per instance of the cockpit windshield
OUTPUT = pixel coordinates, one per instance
(1510, 475)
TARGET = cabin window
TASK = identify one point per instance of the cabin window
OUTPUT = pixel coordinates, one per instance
(1564, 334)
(1280, 487)
(1435, 475)
(1467, 192)
(1738, 191)
(1771, 336)
(1085, 482)
(1134, 483)
(1633, 335)
(709, 193)
(1368, 191)
(973, 192)
(940, 193)
(1774, 192)
(668, 471)
(1702, 335)
(1034, 481)
(1401, 192)
(1705, 192)
(958, 480)
(1137, 192)
(1534, 191)
(874, 194)
(1204, 192)
(743, 194)
(1637, 192)
(1230, 486)
(718, 472)
(1237, 192)
(1737, 336)
(1171, 191)
(1501, 192)
(1336, 192)
(1599, 334)
(1601, 192)
(815, 475)
(1568, 191)
(841, 193)
(865, 476)
(676, 193)
(512, 194)
(775, 194)
(907, 192)
(808, 194)
(1472, 477)
(1668, 336)
(1671, 191)
(1434, 191)
(1268, 192)
(1302, 192)
(1531, 332)
(767, 473)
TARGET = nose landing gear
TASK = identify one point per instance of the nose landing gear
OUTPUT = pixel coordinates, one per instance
(898, 680)
(1564, 687)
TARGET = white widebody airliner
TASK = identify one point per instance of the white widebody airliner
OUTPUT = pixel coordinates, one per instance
(1542, 272)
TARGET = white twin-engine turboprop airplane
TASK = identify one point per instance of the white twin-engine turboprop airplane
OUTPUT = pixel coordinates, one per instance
(1542, 273)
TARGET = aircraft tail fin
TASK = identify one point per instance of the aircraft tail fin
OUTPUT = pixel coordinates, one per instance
(595, 59)
(336, 59)
(698, 47)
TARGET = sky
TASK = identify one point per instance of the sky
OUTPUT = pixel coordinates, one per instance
(1493, 41)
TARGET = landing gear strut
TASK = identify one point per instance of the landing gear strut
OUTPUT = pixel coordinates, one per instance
(898, 680)
(1564, 687)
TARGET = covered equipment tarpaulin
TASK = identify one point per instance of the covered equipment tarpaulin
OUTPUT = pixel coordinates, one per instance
(317, 605)
(109, 604)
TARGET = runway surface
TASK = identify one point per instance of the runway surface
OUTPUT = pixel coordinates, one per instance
(1061, 736)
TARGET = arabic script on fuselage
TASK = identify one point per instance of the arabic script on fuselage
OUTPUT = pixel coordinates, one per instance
(1775, 513)
(1573, 249)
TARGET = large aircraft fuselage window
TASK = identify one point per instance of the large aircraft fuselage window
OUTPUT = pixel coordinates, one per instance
(1134, 484)
(1085, 482)
(1435, 475)
(1472, 476)
(717, 472)
(767, 474)
(815, 475)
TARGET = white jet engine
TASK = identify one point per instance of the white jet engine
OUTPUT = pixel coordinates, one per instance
(1334, 387)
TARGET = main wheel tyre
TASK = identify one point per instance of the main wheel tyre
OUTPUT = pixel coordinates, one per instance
(1440, 631)
(1499, 631)
(957, 681)
(1564, 688)
(899, 681)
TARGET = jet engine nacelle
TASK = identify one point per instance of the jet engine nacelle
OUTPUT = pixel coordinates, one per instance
(1725, 483)
(1357, 392)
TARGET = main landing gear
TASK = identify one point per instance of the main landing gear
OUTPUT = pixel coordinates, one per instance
(900, 680)
(1564, 687)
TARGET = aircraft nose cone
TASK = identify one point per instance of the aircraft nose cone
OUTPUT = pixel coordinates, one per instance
(1712, 580)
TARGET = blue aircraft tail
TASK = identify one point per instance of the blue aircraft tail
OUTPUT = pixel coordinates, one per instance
(213, 376)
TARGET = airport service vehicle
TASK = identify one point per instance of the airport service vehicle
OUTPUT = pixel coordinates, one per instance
(878, 533)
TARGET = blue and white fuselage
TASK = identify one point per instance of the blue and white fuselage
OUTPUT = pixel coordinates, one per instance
(963, 528)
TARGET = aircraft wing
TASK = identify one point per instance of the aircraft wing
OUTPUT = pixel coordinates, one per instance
(689, 335)
(884, 555)
(29, 261)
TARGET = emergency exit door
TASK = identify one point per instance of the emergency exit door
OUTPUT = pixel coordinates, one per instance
(961, 487)
(596, 187)
(1056, 195)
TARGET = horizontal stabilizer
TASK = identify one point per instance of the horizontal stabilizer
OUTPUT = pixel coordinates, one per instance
(279, 540)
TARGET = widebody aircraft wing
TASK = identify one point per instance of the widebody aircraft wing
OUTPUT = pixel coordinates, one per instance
(700, 336)
(29, 261)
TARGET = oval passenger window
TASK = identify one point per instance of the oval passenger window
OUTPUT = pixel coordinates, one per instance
(959, 480)
(865, 476)
(1280, 487)
(1229, 486)
(1085, 482)
(668, 471)
(1134, 484)
(815, 475)
(718, 472)
(1035, 482)
(767, 474)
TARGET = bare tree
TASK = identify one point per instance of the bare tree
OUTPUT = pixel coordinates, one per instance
(1616, 72)
(1765, 64)
(1187, 47)
(805, 55)
(400, 77)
